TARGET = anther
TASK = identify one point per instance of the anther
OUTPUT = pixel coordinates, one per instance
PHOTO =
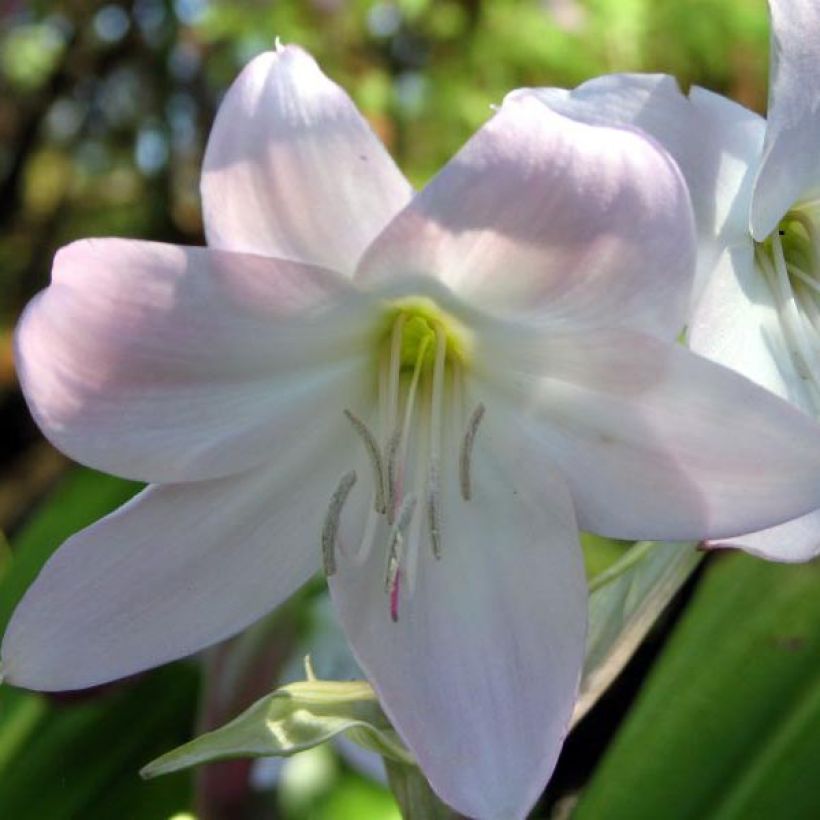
(467, 451)
(331, 525)
(433, 510)
(397, 535)
(373, 454)
(396, 540)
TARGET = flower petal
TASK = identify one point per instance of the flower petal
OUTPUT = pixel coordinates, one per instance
(178, 568)
(737, 324)
(716, 143)
(542, 216)
(795, 541)
(480, 672)
(293, 170)
(163, 363)
(790, 169)
(657, 442)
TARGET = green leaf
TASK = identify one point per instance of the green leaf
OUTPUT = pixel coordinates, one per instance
(295, 717)
(728, 726)
(625, 601)
(72, 759)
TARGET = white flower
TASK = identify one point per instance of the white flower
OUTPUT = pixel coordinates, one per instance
(426, 392)
(755, 188)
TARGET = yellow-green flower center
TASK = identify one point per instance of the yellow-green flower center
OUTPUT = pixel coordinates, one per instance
(421, 323)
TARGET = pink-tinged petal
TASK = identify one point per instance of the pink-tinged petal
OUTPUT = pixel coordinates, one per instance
(546, 218)
(795, 541)
(163, 363)
(715, 142)
(790, 170)
(480, 672)
(737, 324)
(293, 170)
(178, 568)
(657, 442)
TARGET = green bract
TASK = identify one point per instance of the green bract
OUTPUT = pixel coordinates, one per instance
(291, 719)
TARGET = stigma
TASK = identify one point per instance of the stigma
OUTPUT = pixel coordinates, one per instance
(414, 432)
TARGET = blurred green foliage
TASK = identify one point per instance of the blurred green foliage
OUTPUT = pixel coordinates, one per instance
(105, 107)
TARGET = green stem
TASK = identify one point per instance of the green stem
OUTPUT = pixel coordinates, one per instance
(624, 563)
(416, 799)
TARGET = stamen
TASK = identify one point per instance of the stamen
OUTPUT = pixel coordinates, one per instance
(467, 451)
(438, 393)
(397, 536)
(396, 539)
(436, 400)
(371, 527)
(797, 326)
(392, 474)
(395, 371)
(394, 598)
(331, 525)
(801, 355)
(374, 455)
(804, 278)
(397, 446)
(433, 509)
(419, 525)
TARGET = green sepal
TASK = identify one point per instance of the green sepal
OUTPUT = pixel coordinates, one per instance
(416, 799)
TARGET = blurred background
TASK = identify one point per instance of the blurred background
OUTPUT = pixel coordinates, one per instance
(104, 113)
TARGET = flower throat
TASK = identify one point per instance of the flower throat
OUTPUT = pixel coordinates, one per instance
(421, 356)
(790, 261)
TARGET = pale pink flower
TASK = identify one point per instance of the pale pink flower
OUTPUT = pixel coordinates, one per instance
(755, 188)
(430, 392)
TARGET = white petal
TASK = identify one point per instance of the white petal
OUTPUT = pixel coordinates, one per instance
(164, 363)
(736, 324)
(716, 142)
(293, 170)
(480, 673)
(795, 541)
(178, 568)
(790, 170)
(658, 443)
(540, 216)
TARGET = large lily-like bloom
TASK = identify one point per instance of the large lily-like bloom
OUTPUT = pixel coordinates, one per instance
(427, 394)
(755, 188)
